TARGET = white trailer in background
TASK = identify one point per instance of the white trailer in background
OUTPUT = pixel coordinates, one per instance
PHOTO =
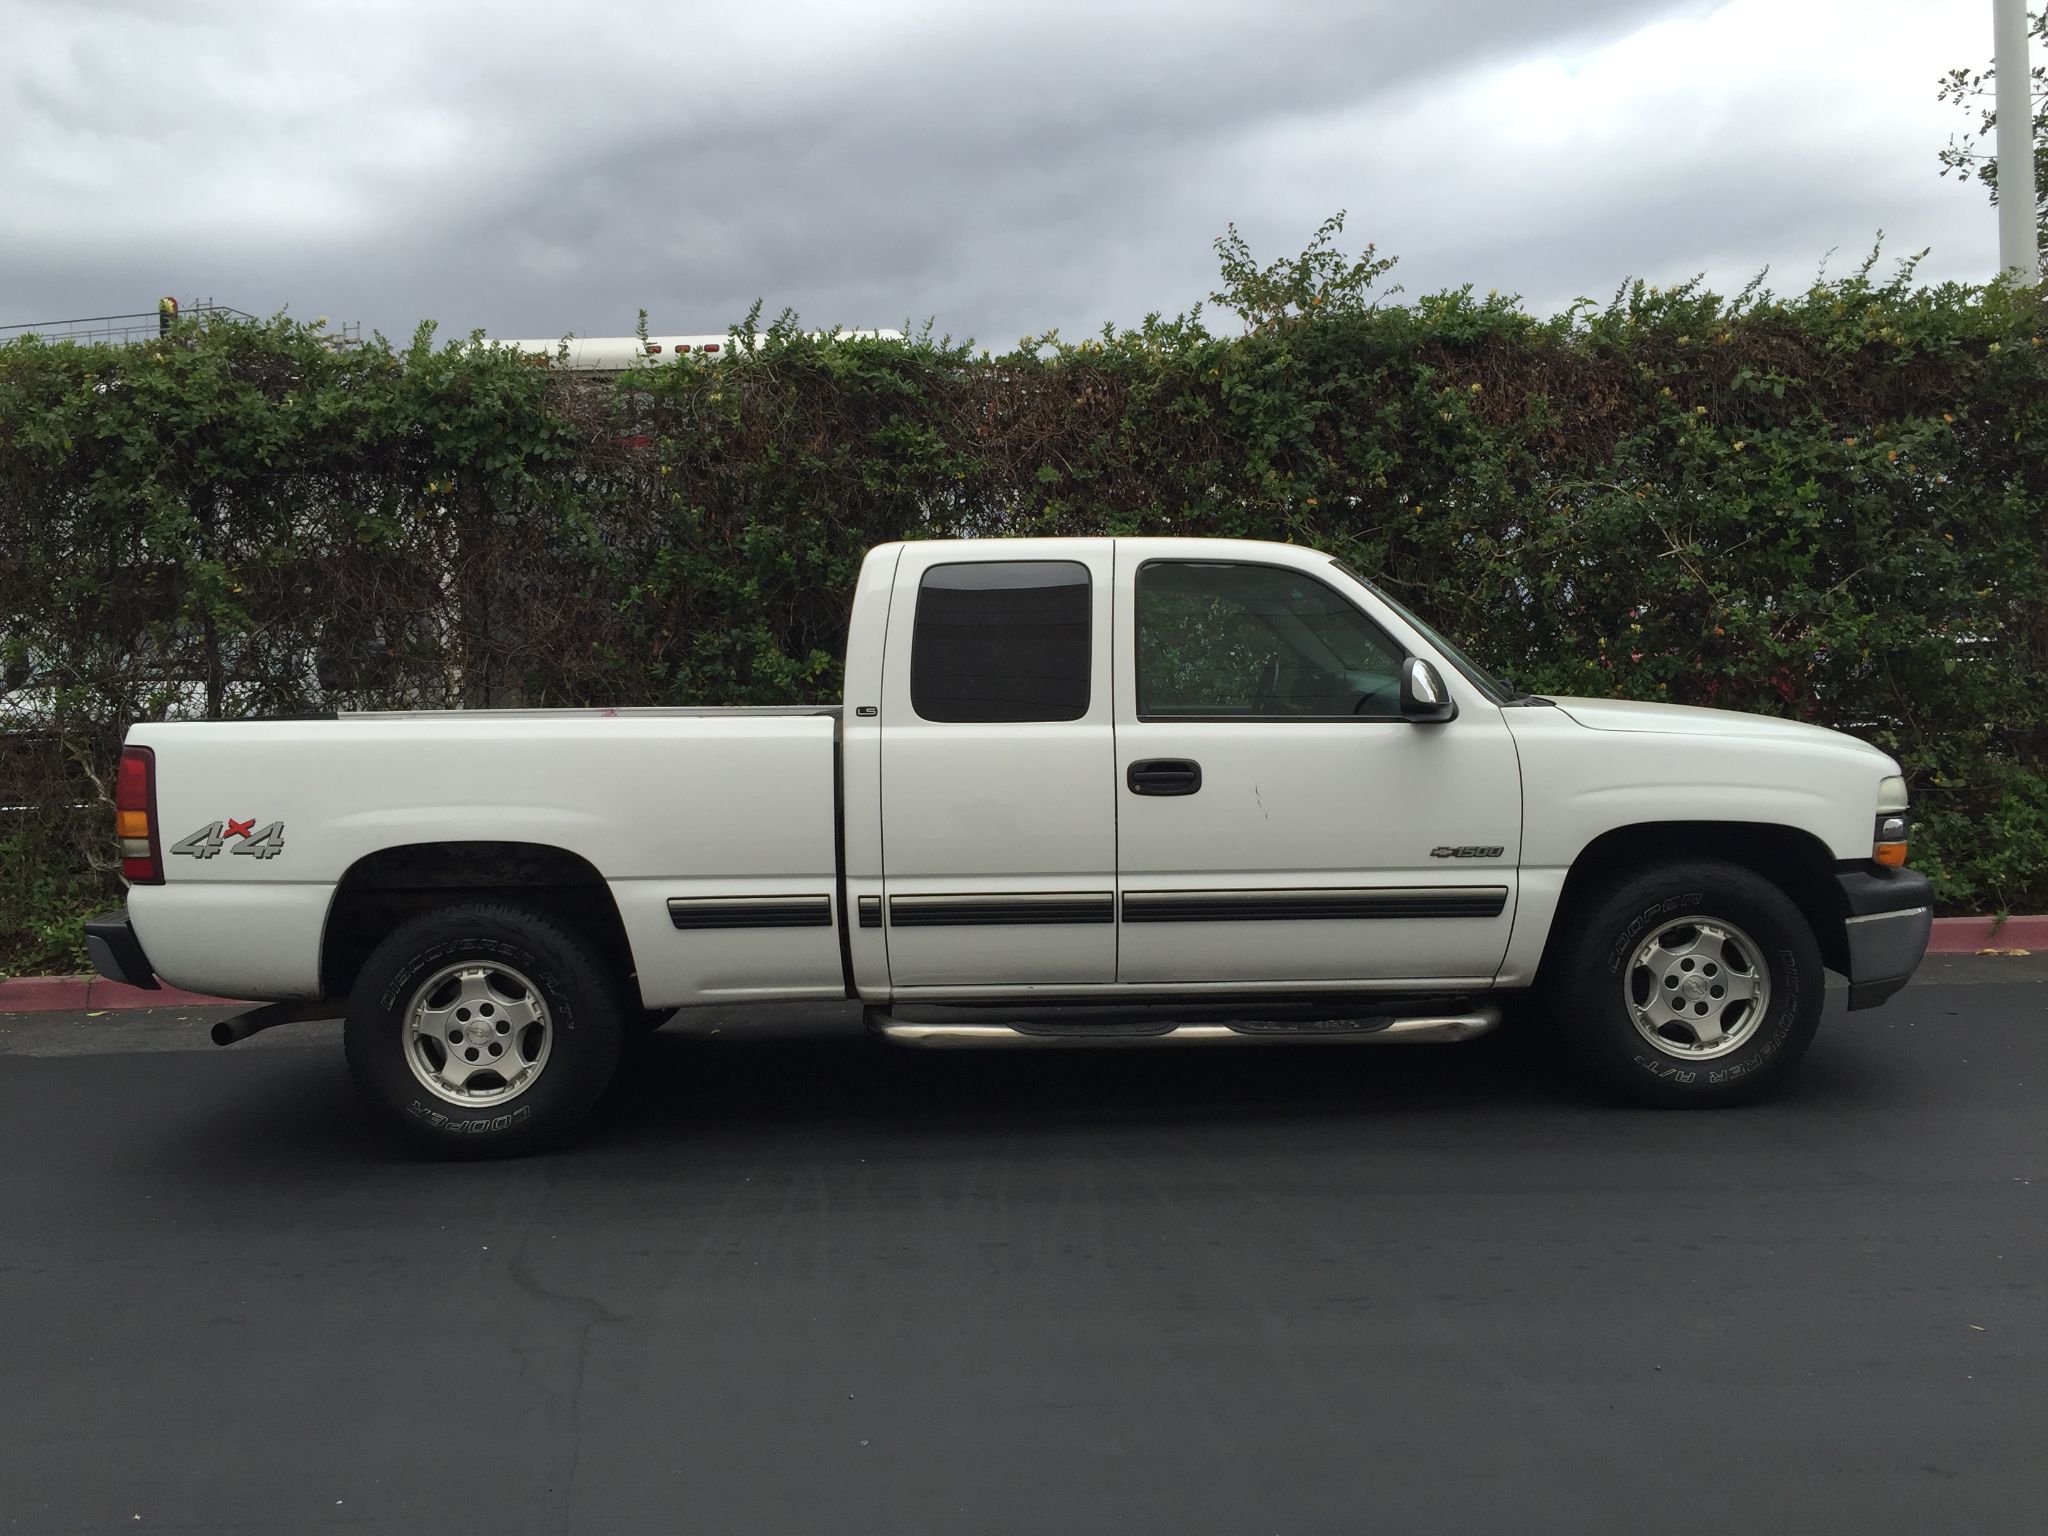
(616, 354)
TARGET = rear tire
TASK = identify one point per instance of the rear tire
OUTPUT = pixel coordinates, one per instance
(484, 1030)
(1698, 985)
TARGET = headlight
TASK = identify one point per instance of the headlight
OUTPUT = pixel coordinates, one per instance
(1888, 841)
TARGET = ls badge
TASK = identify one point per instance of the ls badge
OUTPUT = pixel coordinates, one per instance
(208, 841)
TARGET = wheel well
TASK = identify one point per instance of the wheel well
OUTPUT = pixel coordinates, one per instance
(1797, 862)
(386, 888)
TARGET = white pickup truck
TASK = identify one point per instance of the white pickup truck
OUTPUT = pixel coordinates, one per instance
(1087, 791)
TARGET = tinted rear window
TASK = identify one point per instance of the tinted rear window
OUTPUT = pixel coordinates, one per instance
(1004, 640)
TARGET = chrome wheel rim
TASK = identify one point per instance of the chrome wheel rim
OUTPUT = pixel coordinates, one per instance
(1697, 988)
(477, 1033)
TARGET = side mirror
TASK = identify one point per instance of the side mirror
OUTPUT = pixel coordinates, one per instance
(1424, 698)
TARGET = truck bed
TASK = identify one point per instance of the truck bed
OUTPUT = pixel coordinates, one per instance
(665, 805)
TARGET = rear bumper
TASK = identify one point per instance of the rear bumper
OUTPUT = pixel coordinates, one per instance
(117, 953)
(1890, 916)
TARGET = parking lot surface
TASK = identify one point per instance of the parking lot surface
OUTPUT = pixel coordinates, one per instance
(796, 1281)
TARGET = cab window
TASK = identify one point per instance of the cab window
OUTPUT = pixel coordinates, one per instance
(1001, 640)
(1224, 639)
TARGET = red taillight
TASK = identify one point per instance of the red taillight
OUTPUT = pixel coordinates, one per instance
(710, 346)
(142, 858)
(655, 346)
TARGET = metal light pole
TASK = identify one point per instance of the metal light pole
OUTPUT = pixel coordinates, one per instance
(2019, 250)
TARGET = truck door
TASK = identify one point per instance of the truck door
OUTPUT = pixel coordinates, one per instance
(998, 772)
(1278, 821)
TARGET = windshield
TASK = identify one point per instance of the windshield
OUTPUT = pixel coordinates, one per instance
(1497, 689)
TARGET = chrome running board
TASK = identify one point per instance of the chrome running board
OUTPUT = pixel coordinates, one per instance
(1427, 1029)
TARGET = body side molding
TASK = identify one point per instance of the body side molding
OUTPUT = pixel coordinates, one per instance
(1339, 904)
(1004, 910)
(691, 912)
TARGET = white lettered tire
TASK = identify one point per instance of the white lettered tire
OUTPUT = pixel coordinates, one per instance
(484, 1029)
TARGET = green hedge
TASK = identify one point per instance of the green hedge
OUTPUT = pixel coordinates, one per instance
(1827, 506)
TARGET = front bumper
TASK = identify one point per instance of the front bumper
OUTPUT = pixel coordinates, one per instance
(117, 953)
(1890, 917)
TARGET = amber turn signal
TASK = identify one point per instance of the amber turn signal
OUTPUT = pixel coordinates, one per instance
(1889, 846)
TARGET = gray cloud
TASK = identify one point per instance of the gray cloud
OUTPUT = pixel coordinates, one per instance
(1001, 167)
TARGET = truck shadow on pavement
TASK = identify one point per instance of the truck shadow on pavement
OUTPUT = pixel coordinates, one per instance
(705, 1087)
(681, 1079)
(685, 1086)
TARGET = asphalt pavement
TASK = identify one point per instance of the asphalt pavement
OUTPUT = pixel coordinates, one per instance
(795, 1281)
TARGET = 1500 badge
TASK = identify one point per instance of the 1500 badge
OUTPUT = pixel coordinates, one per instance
(1468, 852)
(207, 842)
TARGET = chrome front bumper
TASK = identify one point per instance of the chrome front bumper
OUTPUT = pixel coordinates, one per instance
(1891, 917)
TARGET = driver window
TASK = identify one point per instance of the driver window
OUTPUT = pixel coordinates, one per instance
(1226, 639)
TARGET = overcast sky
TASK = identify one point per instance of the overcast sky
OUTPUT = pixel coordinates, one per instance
(1003, 167)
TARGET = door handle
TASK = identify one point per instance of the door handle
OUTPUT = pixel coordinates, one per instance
(1164, 776)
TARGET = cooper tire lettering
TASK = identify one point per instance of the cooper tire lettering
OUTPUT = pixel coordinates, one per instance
(584, 1001)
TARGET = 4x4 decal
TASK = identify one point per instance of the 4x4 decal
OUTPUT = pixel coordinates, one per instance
(210, 839)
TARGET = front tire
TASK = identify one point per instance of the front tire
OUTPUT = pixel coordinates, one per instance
(1698, 985)
(484, 1030)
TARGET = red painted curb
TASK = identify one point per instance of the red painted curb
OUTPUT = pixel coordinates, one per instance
(1967, 935)
(83, 994)
(42, 994)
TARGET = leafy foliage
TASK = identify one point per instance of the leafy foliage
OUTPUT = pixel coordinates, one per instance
(1319, 283)
(1827, 506)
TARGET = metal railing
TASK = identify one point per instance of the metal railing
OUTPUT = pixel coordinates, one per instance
(123, 330)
